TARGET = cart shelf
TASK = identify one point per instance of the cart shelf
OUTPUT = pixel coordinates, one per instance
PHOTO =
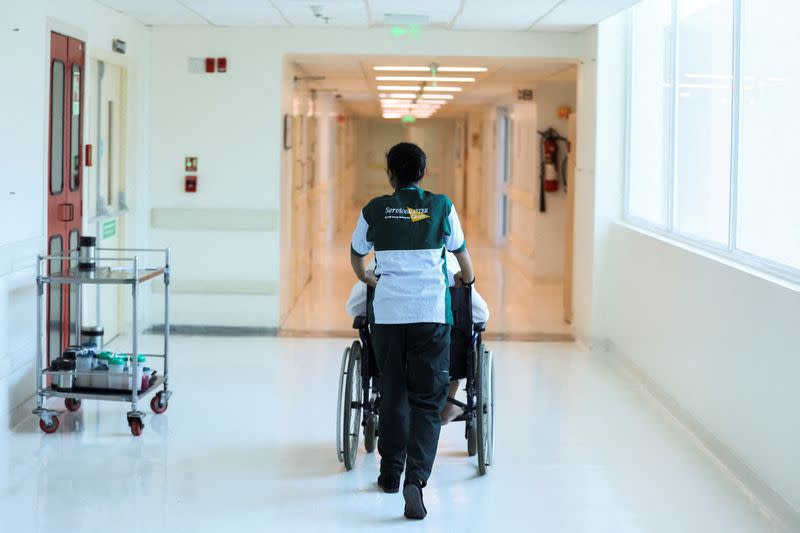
(113, 395)
(103, 276)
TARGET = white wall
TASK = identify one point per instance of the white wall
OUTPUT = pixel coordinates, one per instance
(720, 341)
(24, 34)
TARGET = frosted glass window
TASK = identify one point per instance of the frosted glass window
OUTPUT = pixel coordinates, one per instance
(704, 111)
(769, 182)
(650, 111)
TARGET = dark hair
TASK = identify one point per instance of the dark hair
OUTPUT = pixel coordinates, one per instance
(406, 163)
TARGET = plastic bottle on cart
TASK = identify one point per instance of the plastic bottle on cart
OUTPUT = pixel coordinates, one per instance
(83, 368)
(100, 376)
(117, 379)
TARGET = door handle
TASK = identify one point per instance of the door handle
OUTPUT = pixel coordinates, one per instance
(66, 212)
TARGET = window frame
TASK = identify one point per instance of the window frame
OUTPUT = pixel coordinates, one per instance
(729, 252)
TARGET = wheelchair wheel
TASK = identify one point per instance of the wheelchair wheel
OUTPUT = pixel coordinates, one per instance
(352, 407)
(371, 433)
(485, 408)
(340, 406)
(472, 440)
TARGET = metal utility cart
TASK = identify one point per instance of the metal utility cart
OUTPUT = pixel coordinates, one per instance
(106, 272)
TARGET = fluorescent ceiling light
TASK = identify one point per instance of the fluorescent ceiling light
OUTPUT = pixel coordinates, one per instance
(437, 96)
(408, 96)
(400, 88)
(403, 69)
(436, 101)
(428, 69)
(441, 89)
(392, 115)
(462, 69)
(424, 78)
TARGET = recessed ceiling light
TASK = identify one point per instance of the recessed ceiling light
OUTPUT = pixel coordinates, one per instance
(424, 78)
(403, 69)
(437, 96)
(431, 88)
(410, 96)
(462, 69)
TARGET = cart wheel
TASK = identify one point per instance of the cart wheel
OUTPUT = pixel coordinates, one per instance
(472, 440)
(371, 433)
(158, 404)
(49, 427)
(484, 408)
(72, 404)
(352, 407)
(137, 426)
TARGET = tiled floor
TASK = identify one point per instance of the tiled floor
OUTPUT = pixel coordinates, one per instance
(248, 445)
(520, 308)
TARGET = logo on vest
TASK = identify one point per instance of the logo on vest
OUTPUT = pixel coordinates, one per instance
(416, 215)
(407, 213)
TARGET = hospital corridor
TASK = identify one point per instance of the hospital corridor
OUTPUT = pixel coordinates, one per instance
(366, 265)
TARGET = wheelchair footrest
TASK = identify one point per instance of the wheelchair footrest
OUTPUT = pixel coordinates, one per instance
(456, 402)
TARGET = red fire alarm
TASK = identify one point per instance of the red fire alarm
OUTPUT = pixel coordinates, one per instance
(190, 184)
(209, 64)
(222, 64)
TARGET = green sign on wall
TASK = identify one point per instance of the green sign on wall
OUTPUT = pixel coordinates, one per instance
(109, 229)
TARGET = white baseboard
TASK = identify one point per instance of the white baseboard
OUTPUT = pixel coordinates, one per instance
(770, 503)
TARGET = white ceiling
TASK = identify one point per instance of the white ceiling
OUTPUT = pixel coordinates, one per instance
(506, 15)
(354, 78)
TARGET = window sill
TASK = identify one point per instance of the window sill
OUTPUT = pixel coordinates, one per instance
(739, 261)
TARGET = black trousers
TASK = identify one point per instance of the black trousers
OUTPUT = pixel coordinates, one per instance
(414, 361)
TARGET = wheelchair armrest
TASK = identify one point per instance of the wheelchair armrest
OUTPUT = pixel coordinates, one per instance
(481, 326)
(359, 322)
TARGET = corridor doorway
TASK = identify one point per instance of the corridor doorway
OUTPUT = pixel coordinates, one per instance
(483, 151)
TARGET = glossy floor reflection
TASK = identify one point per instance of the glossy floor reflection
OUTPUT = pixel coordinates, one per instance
(248, 445)
(520, 308)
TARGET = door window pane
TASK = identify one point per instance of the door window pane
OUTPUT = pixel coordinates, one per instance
(703, 141)
(769, 186)
(73, 289)
(651, 104)
(54, 299)
(57, 128)
(75, 131)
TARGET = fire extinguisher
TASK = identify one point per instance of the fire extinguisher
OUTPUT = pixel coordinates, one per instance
(549, 165)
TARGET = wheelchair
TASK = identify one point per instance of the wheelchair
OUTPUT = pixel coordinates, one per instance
(360, 397)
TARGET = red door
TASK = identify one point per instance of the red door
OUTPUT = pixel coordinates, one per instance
(64, 181)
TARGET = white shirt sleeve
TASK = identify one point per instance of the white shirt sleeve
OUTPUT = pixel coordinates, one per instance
(455, 241)
(357, 303)
(480, 310)
(359, 243)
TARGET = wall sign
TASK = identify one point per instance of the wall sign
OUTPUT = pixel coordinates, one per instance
(109, 229)
(525, 94)
(191, 164)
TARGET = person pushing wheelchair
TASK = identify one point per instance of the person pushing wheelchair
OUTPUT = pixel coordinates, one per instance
(410, 317)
